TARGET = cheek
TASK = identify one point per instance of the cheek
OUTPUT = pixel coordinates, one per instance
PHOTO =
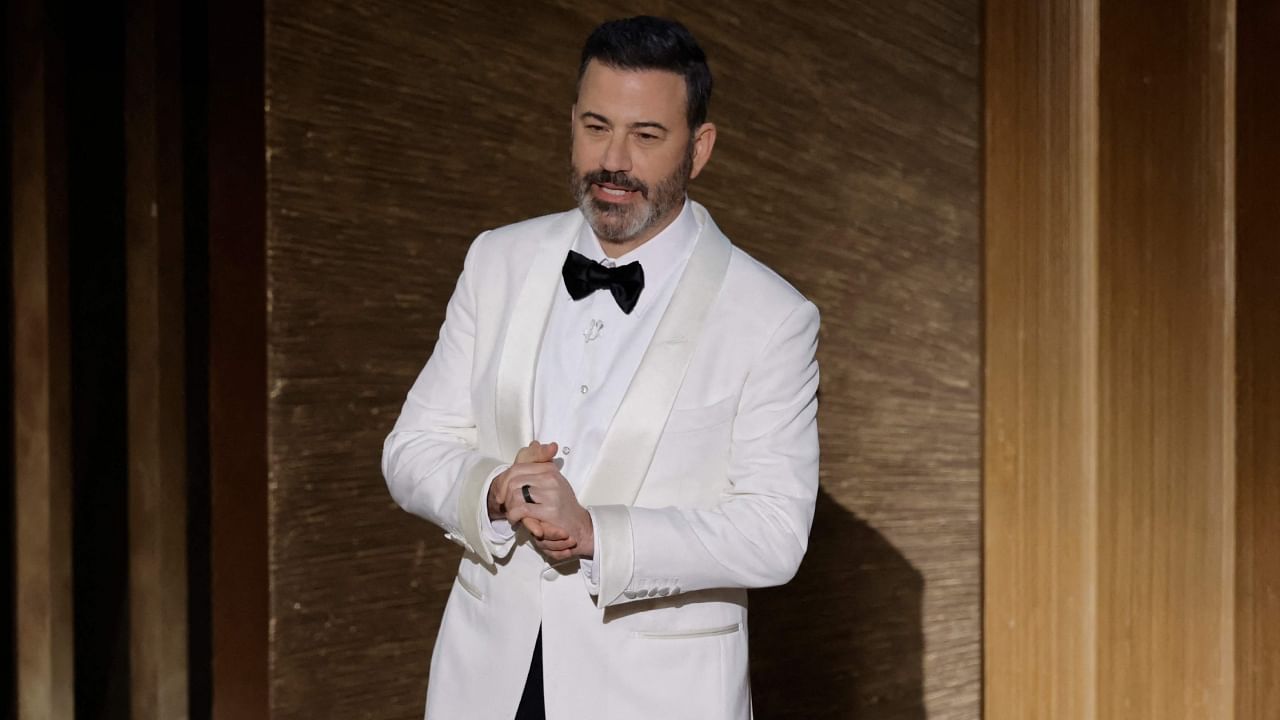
(659, 169)
(581, 157)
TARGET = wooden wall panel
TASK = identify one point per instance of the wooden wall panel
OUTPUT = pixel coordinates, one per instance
(1110, 474)
(1166, 345)
(1040, 519)
(41, 364)
(1257, 632)
(847, 160)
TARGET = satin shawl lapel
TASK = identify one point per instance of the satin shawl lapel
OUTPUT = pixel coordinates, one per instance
(632, 437)
(513, 411)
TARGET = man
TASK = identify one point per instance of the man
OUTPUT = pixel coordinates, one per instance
(617, 424)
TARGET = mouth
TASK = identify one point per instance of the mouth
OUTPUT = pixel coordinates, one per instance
(611, 193)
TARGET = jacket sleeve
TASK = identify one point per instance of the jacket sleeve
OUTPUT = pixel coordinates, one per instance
(429, 460)
(757, 534)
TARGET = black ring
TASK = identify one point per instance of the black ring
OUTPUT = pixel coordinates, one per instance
(524, 490)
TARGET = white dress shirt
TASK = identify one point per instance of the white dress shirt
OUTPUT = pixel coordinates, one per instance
(590, 351)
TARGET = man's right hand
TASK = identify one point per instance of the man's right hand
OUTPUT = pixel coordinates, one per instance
(531, 459)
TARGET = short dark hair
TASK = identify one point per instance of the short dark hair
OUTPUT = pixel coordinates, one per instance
(651, 43)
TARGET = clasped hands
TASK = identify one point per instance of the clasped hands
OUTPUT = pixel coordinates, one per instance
(560, 526)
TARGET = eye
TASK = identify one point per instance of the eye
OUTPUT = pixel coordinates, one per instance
(595, 128)
(646, 137)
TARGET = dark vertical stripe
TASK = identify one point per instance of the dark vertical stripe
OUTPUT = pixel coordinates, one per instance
(195, 141)
(1257, 632)
(95, 166)
(237, 361)
(8, 644)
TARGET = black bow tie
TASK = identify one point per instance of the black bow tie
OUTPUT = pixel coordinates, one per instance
(583, 277)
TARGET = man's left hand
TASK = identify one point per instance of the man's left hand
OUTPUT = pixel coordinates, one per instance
(555, 505)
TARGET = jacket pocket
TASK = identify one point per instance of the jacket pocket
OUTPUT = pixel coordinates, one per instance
(684, 420)
(472, 576)
(687, 634)
(472, 590)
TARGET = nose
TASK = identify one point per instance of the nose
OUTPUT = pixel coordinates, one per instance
(617, 156)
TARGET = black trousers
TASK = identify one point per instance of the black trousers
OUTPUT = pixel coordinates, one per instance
(531, 704)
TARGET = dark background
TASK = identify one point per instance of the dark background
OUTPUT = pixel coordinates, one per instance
(91, 48)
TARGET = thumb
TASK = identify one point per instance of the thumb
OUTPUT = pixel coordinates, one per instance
(535, 527)
(529, 453)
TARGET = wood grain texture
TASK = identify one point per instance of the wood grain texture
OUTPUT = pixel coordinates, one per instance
(41, 365)
(156, 359)
(847, 160)
(1040, 477)
(1166, 531)
(1110, 468)
(1257, 607)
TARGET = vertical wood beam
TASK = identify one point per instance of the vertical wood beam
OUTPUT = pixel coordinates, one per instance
(1258, 363)
(41, 364)
(156, 398)
(1040, 440)
(1109, 505)
(1166, 346)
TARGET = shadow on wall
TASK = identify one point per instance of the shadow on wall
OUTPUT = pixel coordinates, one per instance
(844, 639)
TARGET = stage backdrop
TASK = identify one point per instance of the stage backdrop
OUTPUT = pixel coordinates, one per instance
(847, 160)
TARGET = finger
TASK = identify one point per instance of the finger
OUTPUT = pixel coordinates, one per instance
(499, 487)
(536, 452)
(538, 528)
(529, 453)
(549, 514)
(543, 489)
(552, 532)
(555, 545)
(521, 513)
(534, 526)
(515, 495)
(559, 554)
(517, 473)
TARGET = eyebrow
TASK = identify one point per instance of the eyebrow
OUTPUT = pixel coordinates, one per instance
(633, 126)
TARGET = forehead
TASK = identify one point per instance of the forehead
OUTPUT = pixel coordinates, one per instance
(632, 95)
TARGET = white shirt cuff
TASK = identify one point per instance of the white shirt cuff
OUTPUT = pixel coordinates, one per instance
(497, 532)
(588, 566)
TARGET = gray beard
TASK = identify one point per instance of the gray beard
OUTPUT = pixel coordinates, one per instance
(621, 224)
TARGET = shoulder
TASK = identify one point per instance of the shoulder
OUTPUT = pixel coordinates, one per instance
(761, 299)
(507, 241)
(750, 287)
(748, 275)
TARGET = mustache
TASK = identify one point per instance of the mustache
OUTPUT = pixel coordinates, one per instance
(620, 179)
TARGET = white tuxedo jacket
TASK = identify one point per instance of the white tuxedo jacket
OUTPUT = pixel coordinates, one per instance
(704, 486)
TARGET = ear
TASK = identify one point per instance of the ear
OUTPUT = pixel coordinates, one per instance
(704, 140)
